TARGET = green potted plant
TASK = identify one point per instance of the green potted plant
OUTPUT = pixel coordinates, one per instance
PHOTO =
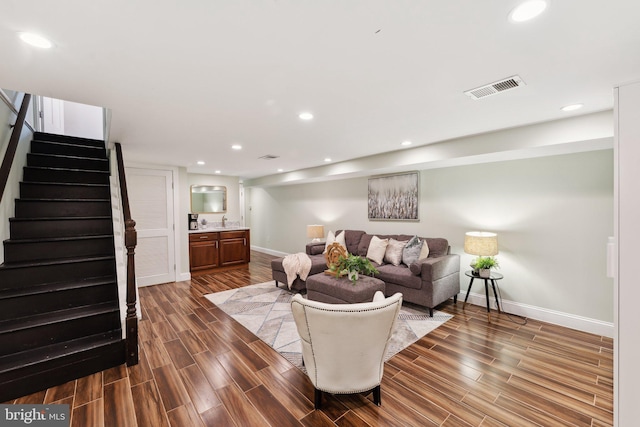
(352, 265)
(483, 266)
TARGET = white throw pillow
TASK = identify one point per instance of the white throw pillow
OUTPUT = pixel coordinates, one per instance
(393, 253)
(424, 252)
(333, 238)
(377, 249)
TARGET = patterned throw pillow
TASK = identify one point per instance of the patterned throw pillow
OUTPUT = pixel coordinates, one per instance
(411, 251)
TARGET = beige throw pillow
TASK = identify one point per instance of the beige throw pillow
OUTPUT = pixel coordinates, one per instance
(393, 253)
(424, 252)
(333, 238)
(377, 249)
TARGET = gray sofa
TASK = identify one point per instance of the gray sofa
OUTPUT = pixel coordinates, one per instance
(427, 282)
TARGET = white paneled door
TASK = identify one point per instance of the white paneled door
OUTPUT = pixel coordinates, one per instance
(151, 200)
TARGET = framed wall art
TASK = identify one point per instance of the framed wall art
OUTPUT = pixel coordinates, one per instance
(394, 197)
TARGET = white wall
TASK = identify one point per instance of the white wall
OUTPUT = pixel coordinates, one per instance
(552, 214)
(82, 120)
(627, 234)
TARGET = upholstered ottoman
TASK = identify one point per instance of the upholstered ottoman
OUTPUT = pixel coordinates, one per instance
(341, 290)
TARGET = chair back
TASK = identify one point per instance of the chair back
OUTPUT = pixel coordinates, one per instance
(343, 345)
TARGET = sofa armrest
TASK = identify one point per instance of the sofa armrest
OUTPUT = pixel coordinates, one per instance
(315, 248)
(432, 269)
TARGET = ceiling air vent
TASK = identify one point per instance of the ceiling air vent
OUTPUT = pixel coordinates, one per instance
(268, 157)
(495, 87)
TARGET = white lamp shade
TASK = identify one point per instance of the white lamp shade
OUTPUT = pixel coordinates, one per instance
(315, 231)
(481, 243)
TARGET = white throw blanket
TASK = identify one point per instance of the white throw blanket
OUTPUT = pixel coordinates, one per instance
(296, 265)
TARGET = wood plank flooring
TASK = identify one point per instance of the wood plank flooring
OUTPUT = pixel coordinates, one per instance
(198, 367)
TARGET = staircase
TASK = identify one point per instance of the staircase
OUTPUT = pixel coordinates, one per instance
(59, 312)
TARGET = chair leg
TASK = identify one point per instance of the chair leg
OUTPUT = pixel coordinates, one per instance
(317, 398)
(455, 298)
(430, 312)
(376, 396)
(276, 283)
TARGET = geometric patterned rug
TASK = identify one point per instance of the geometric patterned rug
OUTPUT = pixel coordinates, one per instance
(265, 310)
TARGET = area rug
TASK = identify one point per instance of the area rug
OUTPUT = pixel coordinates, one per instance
(265, 310)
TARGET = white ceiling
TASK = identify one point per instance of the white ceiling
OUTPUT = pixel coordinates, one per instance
(186, 80)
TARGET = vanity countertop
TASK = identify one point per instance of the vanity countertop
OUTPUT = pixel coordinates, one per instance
(216, 229)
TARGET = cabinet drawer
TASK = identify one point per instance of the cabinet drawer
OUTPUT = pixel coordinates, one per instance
(232, 234)
(199, 237)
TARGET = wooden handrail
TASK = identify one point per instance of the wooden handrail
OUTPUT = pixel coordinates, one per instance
(130, 241)
(13, 143)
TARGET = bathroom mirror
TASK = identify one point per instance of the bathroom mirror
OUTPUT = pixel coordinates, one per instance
(208, 199)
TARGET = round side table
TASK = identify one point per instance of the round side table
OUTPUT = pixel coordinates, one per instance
(492, 278)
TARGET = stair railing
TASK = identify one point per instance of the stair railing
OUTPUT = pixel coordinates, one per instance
(10, 153)
(130, 242)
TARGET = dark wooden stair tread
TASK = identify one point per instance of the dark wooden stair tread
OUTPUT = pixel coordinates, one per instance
(55, 287)
(58, 239)
(61, 200)
(49, 168)
(58, 218)
(78, 184)
(54, 261)
(59, 350)
(36, 320)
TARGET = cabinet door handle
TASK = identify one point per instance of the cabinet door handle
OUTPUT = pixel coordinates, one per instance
(204, 237)
(244, 242)
(216, 244)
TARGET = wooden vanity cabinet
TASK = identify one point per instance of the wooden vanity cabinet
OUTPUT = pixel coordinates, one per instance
(234, 247)
(204, 249)
(219, 249)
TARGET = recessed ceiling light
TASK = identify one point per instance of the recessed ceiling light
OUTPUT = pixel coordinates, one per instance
(305, 116)
(236, 147)
(280, 170)
(35, 40)
(327, 159)
(528, 10)
(217, 171)
(572, 107)
(200, 162)
(406, 143)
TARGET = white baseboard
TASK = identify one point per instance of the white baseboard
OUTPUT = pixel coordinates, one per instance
(181, 277)
(567, 320)
(268, 251)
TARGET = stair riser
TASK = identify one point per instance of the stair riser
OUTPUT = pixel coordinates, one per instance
(54, 208)
(30, 190)
(51, 333)
(65, 175)
(26, 380)
(60, 228)
(27, 305)
(43, 136)
(16, 251)
(12, 277)
(67, 162)
(41, 147)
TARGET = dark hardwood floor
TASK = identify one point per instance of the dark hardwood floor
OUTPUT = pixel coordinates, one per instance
(198, 367)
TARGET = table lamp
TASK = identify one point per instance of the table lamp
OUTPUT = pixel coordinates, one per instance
(315, 232)
(481, 243)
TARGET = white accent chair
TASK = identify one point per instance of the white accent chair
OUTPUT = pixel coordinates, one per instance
(343, 345)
